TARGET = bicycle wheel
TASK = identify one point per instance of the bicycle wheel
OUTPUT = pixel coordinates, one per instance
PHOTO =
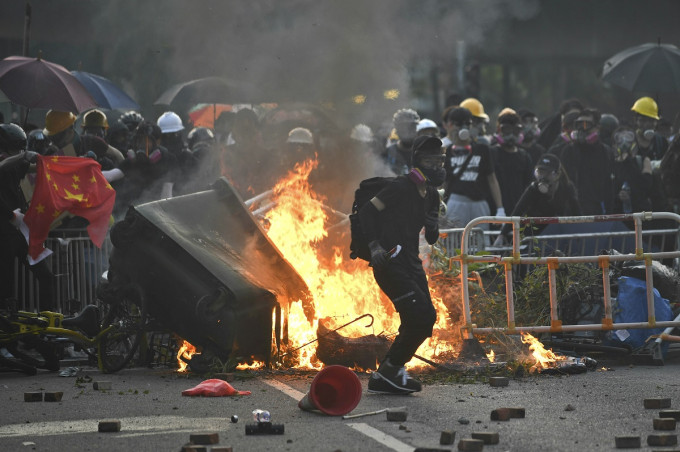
(127, 316)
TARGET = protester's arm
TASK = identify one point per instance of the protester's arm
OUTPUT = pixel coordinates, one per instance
(369, 217)
(495, 190)
(432, 219)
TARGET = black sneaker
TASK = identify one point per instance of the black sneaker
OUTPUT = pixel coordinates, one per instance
(389, 379)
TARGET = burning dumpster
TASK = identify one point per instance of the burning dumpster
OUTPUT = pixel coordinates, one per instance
(207, 270)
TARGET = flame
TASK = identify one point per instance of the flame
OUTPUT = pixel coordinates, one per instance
(544, 358)
(342, 289)
(491, 356)
(254, 366)
(185, 351)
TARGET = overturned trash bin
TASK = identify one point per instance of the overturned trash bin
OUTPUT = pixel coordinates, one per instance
(208, 271)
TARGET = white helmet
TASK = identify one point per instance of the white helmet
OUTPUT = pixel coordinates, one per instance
(300, 135)
(170, 122)
(426, 124)
(362, 133)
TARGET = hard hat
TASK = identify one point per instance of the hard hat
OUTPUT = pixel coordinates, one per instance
(95, 118)
(58, 121)
(12, 138)
(170, 122)
(426, 124)
(300, 135)
(508, 111)
(475, 107)
(362, 133)
(405, 115)
(646, 106)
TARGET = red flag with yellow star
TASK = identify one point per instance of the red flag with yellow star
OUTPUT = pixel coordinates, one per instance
(68, 184)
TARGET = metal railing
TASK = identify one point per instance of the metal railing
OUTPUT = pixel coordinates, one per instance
(77, 265)
(603, 260)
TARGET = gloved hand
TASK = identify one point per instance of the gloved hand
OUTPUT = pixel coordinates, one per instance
(155, 156)
(30, 156)
(432, 220)
(379, 256)
(500, 212)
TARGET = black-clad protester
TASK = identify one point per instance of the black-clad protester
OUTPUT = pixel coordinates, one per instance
(531, 132)
(589, 165)
(14, 165)
(398, 155)
(395, 216)
(551, 194)
(513, 165)
(646, 115)
(633, 174)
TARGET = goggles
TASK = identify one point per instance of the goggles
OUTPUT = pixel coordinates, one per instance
(507, 129)
(432, 161)
(583, 125)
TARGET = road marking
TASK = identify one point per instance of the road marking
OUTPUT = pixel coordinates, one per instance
(383, 438)
(293, 393)
(130, 426)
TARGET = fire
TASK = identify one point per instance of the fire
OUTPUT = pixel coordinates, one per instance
(342, 289)
(544, 358)
(254, 366)
(186, 351)
(491, 356)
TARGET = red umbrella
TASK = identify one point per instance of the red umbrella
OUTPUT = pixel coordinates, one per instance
(36, 83)
(205, 115)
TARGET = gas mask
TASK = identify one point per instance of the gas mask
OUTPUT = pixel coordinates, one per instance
(429, 169)
(509, 135)
(545, 180)
(464, 134)
(531, 132)
(645, 127)
(624, 140)
(647, 134)
(585, 136)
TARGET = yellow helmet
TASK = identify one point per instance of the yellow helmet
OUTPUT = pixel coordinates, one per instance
(58, 121)
(475, 107)
(646, 106)
(95, 118)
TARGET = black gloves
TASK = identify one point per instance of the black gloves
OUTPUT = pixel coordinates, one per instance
(432, 220)
(379, 256)
(30, 156)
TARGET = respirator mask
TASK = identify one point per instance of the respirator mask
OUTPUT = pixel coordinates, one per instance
(545, 180)
(510, 135)
(585, 132)
(429, 168)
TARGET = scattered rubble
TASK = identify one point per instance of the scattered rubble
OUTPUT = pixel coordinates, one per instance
(487, 437)
(53, 396)
(33, 396)
(109, 425)
(397, 414)
(447, 437)
(102, 385)
(470, 445)
(628, 442)
(664, 423)
(655, 404)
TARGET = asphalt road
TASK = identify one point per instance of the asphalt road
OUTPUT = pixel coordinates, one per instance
(155, 416)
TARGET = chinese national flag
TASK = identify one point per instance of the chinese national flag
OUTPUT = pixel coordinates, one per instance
(73, 184)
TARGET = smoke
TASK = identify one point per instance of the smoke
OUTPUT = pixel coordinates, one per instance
(293, 50)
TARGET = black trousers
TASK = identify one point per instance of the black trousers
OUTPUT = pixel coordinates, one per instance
(408, 291)
(13, 245)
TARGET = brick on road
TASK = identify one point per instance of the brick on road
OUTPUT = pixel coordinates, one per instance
(500, 414)
(53, 396)
(675, 414)
(517, 412)
(655, 404)
(109, 425)
(499, 382)
(33, 396)
(664, 423)
(397, 414)
(665, 439)
(470, 445)
(102, 385)
(204, 438)
(628, 442)
(447, 437)
(487, 437)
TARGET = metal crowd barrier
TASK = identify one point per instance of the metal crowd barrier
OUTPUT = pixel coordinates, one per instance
(451, 240)
(77, 265)
(603, 260)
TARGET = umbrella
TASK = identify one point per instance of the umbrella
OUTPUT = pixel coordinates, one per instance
(647, 67)
(36, 83)
(105, 93)
(209, 90)
(205, 114)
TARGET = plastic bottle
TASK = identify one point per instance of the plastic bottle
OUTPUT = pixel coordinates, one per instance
(627, 205)
(261, 416)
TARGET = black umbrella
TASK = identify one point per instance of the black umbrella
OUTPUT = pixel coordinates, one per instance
(648, 67)
(36, 83)
(105, 92)
(209, 90)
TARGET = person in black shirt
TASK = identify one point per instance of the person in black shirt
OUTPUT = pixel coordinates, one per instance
(551, 194)
(392, 220)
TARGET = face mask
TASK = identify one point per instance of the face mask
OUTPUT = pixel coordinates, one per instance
(509, 139)
(546, 182)
(585, 137)
(464, 134)
(531, 133)
(434, 177)
(474, 132)
(647, 134)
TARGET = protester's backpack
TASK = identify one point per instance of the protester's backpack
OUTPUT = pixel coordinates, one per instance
(368, 188)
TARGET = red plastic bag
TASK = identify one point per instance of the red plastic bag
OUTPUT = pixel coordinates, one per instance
(213, 388)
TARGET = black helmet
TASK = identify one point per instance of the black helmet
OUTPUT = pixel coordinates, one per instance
(12, 138)
(37, 141)
(199, 135)
(149, 129)
(131, 119)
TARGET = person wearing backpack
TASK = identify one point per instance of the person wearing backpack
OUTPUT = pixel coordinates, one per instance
(392, 220)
